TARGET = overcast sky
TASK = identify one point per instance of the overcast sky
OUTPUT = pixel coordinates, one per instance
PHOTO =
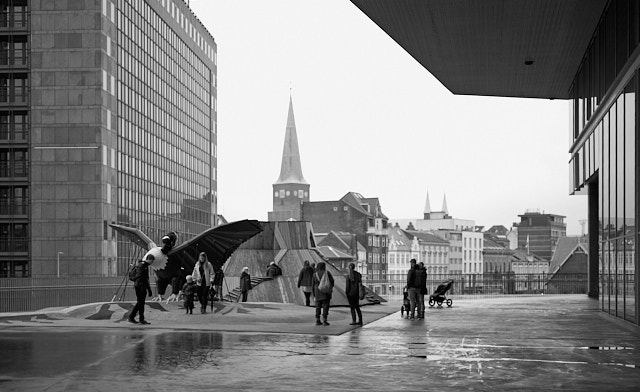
(371, 120)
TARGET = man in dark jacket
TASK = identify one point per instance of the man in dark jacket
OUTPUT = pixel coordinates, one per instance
(422, 284)
(413, 287)
(142, 287)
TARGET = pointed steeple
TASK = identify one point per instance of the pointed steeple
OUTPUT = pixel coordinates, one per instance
(444, 205)
(427, 205)
(291, 168)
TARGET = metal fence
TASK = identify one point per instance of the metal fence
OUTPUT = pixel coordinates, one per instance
(27, 294)
(489, 284)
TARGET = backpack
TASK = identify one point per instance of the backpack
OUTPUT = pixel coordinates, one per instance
(133, 273)
(325, 284)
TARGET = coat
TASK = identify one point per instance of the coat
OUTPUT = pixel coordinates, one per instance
(412, 278)
(306, 277)
(245, 282)
(422, 274)
(316, 281)
(142, 277)
(353, 286)
(208, 273)
(189, 290)
(217, 279)
(272, 271)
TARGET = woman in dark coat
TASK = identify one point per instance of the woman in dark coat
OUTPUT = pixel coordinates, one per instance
(305, 281)
(322, 298)
(245, 283)
(354, 280)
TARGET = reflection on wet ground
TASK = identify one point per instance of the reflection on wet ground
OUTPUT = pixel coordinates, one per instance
(467, 350)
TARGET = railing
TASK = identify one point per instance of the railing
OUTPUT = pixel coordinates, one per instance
(27, 294)
(14, 244)
(14, 208)
(489, 284)
(13, 169)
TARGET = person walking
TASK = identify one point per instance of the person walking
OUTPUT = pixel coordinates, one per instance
(413, 287)
(217, 282)
(322, 295)
(202, 274)
(354, 280)
(142, 287)
(188, 292)
(422, 284)
(245, 283)
(305, 281)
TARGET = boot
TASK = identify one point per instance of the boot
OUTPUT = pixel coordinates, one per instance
(318, 321)
(353, 317)
(325, 321)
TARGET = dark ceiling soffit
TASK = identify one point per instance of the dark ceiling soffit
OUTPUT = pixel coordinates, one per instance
(558, 32)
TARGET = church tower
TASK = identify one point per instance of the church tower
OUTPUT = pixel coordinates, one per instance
(291, 189)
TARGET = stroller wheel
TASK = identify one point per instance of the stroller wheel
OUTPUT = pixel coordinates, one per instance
(431, 302)
(449, 302)
(439, 304)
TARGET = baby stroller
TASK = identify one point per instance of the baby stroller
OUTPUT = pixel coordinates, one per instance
(438, 296)
(406, 304)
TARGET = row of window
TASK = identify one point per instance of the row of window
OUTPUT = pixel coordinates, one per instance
(477, 243)
(166, 145)
(13, 14)
(14, 126)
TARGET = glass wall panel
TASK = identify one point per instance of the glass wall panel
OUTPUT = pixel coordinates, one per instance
(630, 227)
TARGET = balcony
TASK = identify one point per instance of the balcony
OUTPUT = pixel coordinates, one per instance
(9, 170)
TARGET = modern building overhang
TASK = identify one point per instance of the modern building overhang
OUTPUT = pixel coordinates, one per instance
(507, 48)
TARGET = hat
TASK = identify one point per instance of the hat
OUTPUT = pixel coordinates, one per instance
(189, 278)
(272, 263)
(245, 268)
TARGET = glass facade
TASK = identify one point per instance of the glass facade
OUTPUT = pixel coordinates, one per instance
(166, 161)
(107, 115)
(605, 151)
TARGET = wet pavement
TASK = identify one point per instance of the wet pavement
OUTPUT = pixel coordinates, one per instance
(509, 344)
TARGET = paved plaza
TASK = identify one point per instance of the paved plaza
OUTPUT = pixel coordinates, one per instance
(548, 343)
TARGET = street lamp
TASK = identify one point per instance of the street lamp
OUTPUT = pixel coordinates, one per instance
(59, 253)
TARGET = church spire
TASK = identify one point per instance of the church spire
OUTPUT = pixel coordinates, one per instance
(427, 205)
(444, 205)
(291, 168)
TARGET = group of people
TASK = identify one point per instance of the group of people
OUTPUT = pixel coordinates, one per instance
(416, 289)
(204, 278)
(310, 281)
(313, 280)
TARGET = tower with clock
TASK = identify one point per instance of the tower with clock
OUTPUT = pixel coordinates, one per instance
(291, 189)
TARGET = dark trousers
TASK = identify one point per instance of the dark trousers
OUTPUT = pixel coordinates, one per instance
(354, 304)
(307, 298)
(203, 295)
(188, 302)
(141, 296)
(244, 296)
(322, 306)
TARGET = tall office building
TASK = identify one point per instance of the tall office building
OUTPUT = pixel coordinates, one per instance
(107, 115)
(539, 232)
(583, 51)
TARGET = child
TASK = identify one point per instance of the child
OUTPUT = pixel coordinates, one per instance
(406, 304)
(189, 291)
